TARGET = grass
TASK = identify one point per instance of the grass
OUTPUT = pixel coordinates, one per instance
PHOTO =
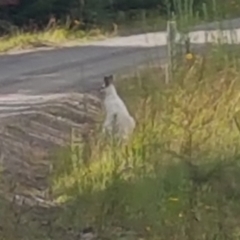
(139, 23)
(177, 177)
(48, 38)
(125, 23)
(132, 22)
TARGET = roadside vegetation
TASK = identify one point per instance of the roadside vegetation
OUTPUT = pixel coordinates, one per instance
(52, 23)
(178, 176)
(65, 35)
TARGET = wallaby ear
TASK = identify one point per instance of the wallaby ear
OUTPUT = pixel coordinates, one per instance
(108, 80)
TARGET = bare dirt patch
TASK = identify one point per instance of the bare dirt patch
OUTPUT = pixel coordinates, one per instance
(29, 133)
(29, 137)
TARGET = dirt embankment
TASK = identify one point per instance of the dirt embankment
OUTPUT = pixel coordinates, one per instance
(30, 135)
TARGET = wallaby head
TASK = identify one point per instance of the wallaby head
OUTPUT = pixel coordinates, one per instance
(108, 81)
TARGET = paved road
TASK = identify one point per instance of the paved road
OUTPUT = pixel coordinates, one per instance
(74, 68)
(81, 68)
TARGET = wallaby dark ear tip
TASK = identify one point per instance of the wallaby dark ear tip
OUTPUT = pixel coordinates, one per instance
(108, 77)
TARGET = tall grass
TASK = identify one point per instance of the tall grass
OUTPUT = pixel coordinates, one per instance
(177, 177)
(49, 38)
(187, 13)
(125, 24)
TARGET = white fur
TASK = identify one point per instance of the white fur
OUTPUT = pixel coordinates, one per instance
(118, 121)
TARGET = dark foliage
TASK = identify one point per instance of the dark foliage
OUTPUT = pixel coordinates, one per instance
(93, 11)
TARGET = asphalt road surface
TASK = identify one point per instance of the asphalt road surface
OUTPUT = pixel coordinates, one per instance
(82, 68)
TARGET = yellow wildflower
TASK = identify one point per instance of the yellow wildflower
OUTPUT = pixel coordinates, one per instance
(173, 199)
(148, 229)
(189, 56)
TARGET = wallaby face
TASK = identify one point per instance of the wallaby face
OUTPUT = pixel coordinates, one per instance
(108, 81)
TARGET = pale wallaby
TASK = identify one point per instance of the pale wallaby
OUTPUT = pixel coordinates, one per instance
(118, 120)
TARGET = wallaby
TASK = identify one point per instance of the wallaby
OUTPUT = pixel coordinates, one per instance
(118, 120)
